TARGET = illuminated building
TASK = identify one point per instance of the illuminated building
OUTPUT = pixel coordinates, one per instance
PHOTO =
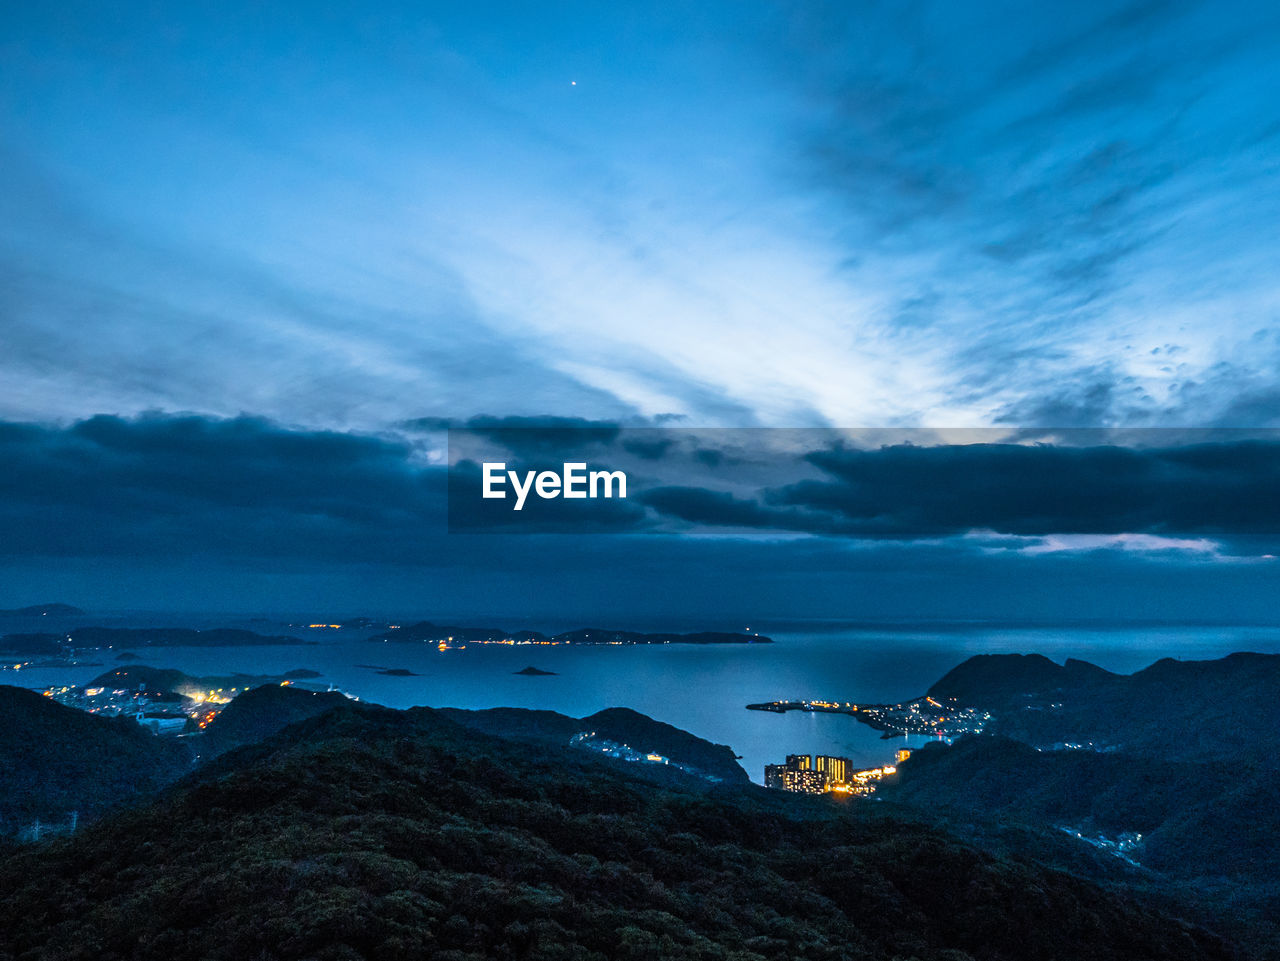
(837, 769)
(796, 775)
(804, 781)
(902, 755)
(823, 773)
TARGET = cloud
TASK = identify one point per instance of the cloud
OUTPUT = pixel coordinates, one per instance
(192, 484)
(103, 313)
(242, 513)
(904, 491)
(533, 436)
(1147, 543)
(1040, 199)
(156, 486)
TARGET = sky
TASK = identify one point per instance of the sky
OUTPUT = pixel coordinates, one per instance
(300, 239)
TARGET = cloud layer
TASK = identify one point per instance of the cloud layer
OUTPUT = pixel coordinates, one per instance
(191, 485)
(241, 513)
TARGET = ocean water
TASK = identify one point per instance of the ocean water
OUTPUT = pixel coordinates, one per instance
(702, 689)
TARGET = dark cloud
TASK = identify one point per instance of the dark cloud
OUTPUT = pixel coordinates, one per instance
(697, 505)
(244, 513)
(670, 582)
(1058, 479)
(648, 449)
(188, 485)
(531, 436)
(904, 491)
(246, 487)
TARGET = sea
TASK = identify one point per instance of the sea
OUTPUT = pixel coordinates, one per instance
(702, 689)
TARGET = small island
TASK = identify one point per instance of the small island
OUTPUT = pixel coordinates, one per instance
(532, 671)
(389, 671)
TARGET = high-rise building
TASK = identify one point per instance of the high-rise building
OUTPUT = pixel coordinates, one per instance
(902, 755)
(823, 773)
(775, 776)
(804, 781)
(798, 775)
(837, 769)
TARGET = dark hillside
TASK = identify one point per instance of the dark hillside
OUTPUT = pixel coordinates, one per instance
(1204, 711)
(55, 760)
(258, 713)
(618, 724)
(368, 833)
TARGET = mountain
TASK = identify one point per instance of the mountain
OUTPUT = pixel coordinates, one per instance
(369, 833)
(156, 680)
(1205, 835)
(55, 760)
(261, 712)
(258, 713)
(1112, 794)
(162, 680)
(43, 610)
(173, 637)
(1203, 711)
(620, 725)
(987, 679)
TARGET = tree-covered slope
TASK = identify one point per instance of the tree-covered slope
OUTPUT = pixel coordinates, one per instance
(366, 833)
(1204, 711)
(618, 724)
(1209, 833)
(258, 713)
(1113, 793)
(55, 760)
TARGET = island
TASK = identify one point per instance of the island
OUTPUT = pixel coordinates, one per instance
(43, 610)
(389, 671)
(101, 638)
(532, 671)
(452, 637)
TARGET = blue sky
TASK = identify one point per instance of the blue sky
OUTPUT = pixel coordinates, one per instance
(868, 214)
(341, 219)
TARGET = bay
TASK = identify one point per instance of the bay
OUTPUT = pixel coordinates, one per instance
(702, 689)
